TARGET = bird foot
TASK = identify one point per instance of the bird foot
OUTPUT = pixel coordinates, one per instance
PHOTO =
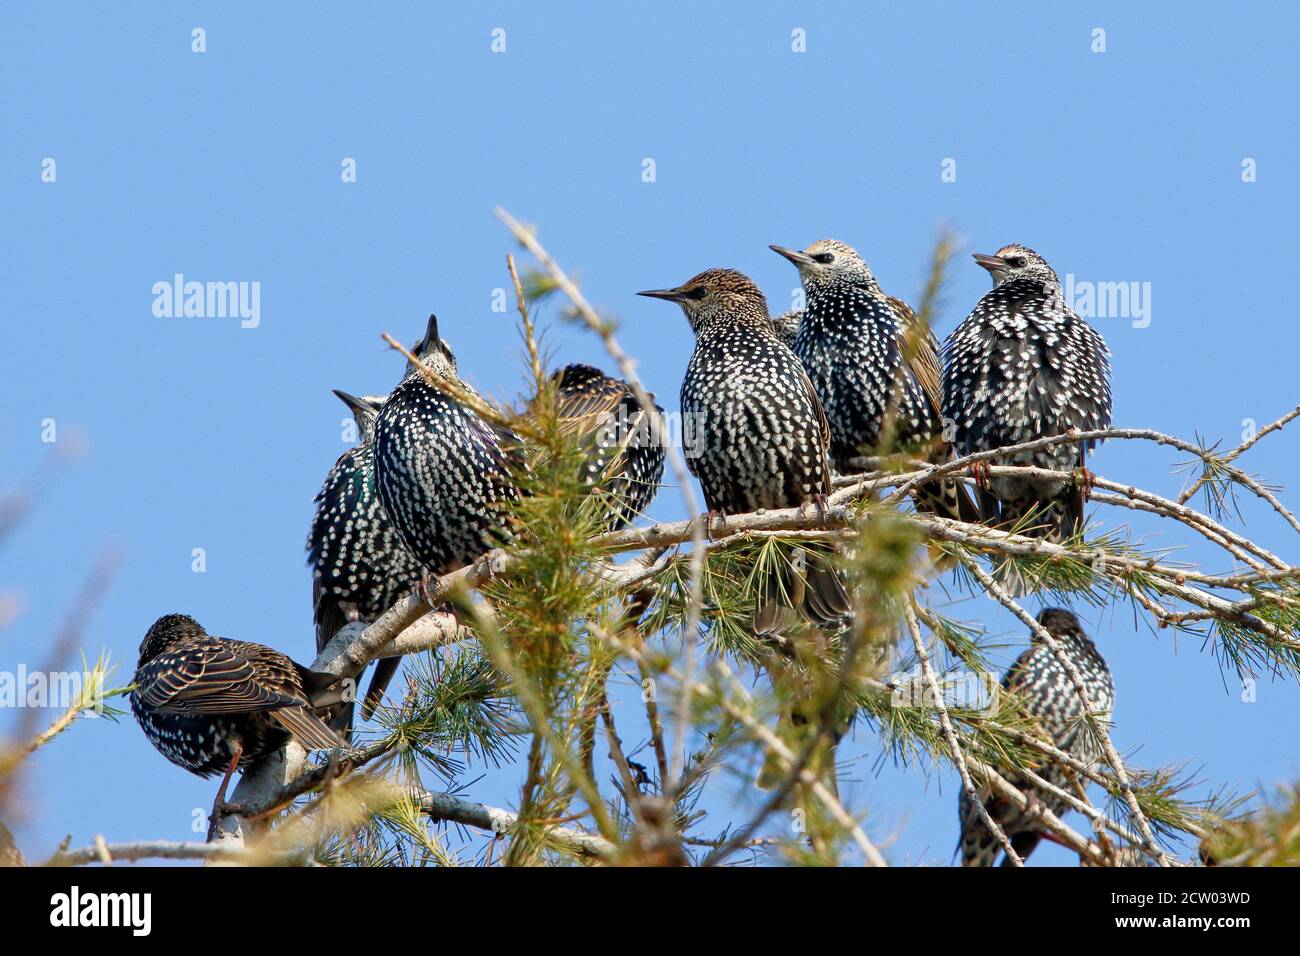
(488, 565)
(820, 503)
(715, 524)
(425, 589)
(219, 805)
(980, 472)
(221, 810)
(1086, 479)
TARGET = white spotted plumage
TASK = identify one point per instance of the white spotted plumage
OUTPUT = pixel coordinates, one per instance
(1051, 700)
(1023, 365)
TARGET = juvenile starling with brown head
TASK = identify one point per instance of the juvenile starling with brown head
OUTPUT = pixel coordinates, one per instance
(754, 431)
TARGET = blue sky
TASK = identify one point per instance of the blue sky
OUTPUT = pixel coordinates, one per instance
(1119, 166)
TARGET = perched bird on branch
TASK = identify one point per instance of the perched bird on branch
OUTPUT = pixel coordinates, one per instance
(360, 567)
(213, 705)
(623, 446)
(874, 367)
(441, 468)
(754, 432)
(1022, 366)
(1042, 684)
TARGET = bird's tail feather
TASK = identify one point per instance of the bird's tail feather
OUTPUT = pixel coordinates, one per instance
(310, 731)
(947, 498)
(808, 584)
(385, 668)
(1055, 519)
(329, 694)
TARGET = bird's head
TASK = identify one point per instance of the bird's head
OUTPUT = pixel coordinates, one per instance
(435, 353)
(167, 630)
(826, 261)
(714, 294)
(1059, 622)
(1015, 262)
(364, 408)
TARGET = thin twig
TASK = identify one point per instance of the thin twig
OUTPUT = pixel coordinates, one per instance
(627, 368)
(954, 746)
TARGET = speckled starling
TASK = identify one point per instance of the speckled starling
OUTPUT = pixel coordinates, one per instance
(786, 325)
(360, 567)
(212, 705)
(442, 471)
(1022, 366)
(623, 446)
(1050, 698)
(754, 431)
(870, 362)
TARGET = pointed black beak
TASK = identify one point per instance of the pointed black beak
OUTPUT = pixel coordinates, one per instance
(798, 258)
(351, 401)
(430, 337)
(669, 295)
(991, 263)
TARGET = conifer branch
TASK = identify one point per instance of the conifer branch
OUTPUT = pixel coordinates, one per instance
(1076, 678)
(1208, 474)
(954, 746)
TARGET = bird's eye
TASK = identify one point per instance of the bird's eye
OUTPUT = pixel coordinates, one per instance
(1018, 262)
(699, 292)
(824, 258)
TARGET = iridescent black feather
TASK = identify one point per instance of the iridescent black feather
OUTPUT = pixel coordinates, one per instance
(200, 699)
(1050, 698)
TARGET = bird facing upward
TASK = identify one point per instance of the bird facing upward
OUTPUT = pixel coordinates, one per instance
(442, 471)
(360, 567)
(753, 428)
(1050, 698)
(871, 363)
(1023, 366)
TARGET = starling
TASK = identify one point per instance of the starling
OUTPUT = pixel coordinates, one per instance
(623, 446)
(1041, 683)
(854, 342)
(754, 431)
(213, 705)
(442, 471)
(786, 326)
(360, 568)
(1022, 366)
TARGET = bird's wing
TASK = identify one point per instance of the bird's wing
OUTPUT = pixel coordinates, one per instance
(921, 355)
(823, 424)
(603, 412)
(220, 678)
(585, 397)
